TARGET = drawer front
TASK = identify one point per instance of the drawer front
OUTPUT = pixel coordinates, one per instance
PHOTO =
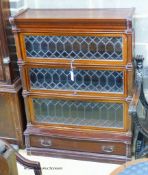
(78, 145)
(100, 82)
(55, 46)
(83, 114)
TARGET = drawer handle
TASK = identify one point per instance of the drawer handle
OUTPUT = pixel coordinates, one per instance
(108, 149)
(46, 143)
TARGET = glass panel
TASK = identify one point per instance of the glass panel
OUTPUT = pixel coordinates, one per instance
(84, 80)
(79, 113)
(74, 47)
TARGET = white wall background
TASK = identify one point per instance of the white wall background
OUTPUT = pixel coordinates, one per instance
(141, 6)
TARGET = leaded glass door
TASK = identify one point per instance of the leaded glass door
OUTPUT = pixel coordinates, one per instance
(64, 47)
(72, 112)
(98, 81)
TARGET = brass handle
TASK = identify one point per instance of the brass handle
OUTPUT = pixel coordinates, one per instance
(108, 149)
(46, 143)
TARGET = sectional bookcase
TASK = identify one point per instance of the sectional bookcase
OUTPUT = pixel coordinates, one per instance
(77, 74)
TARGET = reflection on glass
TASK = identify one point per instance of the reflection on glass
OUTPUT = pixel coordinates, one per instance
(84, 80)
(74, 47)
(79, 113)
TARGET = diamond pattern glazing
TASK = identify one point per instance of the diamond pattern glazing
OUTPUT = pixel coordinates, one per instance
(74, 47)
(78, 113)
(84, 80)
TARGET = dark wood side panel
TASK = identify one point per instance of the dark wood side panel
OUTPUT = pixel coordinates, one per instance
(8, 66)
(12, 115)
(6, 120)
(2, 76)
(3, 42)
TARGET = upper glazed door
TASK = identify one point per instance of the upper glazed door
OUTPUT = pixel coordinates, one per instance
(88, 48)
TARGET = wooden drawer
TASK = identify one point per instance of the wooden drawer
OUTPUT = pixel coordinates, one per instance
(82, 48)
(101, 147)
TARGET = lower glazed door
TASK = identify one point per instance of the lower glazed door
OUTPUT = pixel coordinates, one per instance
(78, 113)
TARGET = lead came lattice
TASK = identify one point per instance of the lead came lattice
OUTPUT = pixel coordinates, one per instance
(79, 113)
(74, 47)
(84, 80)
